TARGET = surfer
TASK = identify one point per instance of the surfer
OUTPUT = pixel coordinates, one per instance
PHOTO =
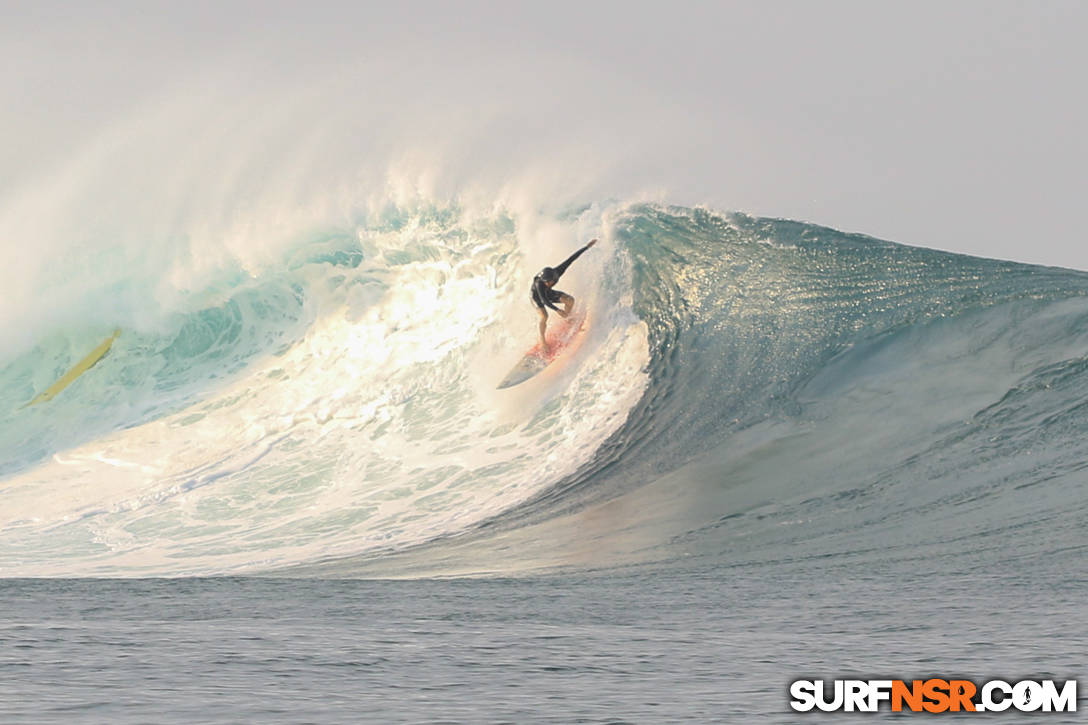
(544, 295)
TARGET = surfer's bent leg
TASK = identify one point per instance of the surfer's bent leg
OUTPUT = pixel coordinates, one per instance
(543, 314)
(568, 304)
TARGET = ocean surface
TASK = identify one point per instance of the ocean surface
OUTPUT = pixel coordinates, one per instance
(687, 644)
(291, 493)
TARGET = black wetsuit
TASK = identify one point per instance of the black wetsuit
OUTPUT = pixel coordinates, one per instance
(542, 294)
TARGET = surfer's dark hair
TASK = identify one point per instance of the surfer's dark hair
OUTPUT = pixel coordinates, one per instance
(549, 275)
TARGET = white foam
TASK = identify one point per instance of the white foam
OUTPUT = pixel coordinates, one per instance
(381, 428)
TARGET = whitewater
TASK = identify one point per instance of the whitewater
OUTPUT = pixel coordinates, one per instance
(343, 402)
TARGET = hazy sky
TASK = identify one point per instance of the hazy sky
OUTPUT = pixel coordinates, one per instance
(955, 125)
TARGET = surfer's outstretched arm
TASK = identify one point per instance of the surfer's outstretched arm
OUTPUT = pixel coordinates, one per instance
(563, 267)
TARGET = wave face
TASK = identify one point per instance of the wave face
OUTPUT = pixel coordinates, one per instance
(748, 387)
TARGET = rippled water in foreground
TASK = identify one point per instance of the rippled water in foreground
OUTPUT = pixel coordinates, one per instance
(646, 647)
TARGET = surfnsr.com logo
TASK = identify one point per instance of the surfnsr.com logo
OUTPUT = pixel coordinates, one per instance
(933, 695)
